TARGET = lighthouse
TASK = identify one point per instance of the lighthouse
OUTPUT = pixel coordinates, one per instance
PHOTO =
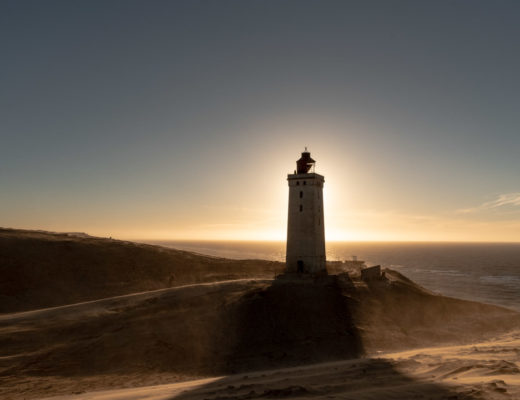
(305, 229)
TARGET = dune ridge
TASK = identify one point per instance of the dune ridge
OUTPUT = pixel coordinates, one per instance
(45, 269)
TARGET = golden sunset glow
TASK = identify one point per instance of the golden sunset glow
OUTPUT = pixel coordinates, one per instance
(204, 152)
(251, 203)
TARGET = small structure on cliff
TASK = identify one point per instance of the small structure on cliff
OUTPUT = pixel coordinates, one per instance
(305, 228)
(353, 266)
(371, 273)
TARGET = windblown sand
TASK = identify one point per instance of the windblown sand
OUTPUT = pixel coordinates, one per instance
(152, 337)
(212, 329)
(487, 370)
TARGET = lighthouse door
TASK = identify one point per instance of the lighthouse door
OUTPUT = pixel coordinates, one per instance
(300, 266)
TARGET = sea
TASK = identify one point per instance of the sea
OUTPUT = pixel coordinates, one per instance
(485, 272)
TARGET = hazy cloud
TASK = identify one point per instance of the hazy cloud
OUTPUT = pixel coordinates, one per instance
(508, 199)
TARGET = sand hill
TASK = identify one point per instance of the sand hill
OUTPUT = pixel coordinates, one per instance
(45, 269)
(209, 328)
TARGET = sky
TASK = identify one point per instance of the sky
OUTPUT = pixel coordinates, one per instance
(182, 119)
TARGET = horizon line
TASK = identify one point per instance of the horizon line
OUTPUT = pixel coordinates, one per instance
(188, 239)
(326, 241)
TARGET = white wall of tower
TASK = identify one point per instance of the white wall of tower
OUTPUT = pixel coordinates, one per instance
(305, 227)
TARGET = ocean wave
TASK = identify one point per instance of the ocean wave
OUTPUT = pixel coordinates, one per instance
(447, 272)
(502, 280)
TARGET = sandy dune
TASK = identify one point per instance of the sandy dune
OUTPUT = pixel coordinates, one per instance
(94, 307)
(487, 370)
(211, 329)
(46, 269)
(147, 322)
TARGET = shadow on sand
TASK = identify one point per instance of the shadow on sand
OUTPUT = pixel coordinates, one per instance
(294, 321)
(373, 379)
(293, 334)
(225, 329)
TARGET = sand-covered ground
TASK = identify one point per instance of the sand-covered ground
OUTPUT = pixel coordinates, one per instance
(486, 370)
(45, 269)
(104, 315)
(215, 329)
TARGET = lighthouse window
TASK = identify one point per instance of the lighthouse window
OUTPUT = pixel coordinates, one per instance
(301, 194)
(297, 183)
(301, 208)
(304, 182)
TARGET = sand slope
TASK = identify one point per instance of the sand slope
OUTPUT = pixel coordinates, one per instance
(487, 370)
(152, 328)
(45, 269)
(214, 329)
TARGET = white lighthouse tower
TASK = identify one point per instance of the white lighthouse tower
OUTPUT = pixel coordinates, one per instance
(305, 228)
